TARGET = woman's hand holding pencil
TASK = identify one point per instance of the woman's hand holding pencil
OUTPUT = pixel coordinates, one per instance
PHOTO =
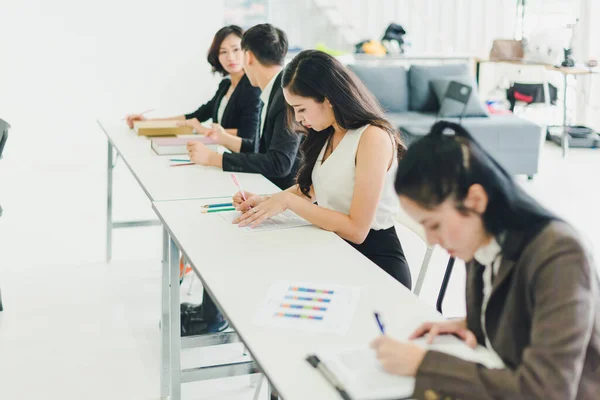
(252, 200)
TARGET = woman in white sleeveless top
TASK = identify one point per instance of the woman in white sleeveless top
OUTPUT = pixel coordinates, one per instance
(349, 158)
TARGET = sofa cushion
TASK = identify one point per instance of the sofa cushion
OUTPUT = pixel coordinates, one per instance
(453, 108)
(388, 84)
(514, 142)
(493, 133)
(422, 97)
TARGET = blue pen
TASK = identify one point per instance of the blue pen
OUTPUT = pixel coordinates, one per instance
(381, 327)
(179, 160)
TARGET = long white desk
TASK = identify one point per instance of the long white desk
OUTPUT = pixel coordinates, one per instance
(160, 181)
(163, 183)
(237, 267)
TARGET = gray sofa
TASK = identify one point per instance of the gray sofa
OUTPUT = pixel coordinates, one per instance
(410, 98)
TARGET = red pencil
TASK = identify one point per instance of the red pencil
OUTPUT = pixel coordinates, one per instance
(180, 165)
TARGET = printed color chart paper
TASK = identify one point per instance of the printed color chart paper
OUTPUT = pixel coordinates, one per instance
(308, 307)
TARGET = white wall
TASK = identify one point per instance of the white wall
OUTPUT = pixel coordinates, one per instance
(589, 86)
(440, 26)
(66, 62)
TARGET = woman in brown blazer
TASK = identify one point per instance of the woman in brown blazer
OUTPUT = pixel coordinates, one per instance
(533, 294)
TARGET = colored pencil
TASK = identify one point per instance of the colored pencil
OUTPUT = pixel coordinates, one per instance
(142, 113)
(213, 210)
(217, 205)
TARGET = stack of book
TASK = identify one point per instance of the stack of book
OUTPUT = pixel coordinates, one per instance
(160, 128)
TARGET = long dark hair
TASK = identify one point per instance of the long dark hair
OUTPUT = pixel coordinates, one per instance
(319, 76)
(441, 166)
(213, 51)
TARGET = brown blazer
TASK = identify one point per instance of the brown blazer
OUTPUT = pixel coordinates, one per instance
(543, 320)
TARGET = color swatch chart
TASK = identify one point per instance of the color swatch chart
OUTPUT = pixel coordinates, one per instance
(309, 307)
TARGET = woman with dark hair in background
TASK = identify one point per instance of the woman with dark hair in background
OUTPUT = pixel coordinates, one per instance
(235, 107)
(532, 289)
(349, 158)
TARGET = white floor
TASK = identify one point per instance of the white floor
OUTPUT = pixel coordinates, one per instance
(77, 328)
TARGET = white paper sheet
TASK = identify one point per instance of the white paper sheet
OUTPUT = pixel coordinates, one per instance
(308, 307)
(364, 379)
(285, 220)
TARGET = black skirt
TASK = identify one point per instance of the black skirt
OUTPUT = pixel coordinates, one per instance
(384, 249)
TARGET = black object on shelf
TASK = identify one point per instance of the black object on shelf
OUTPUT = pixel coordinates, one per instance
(394, 32)
(530, 93)
(568, 60)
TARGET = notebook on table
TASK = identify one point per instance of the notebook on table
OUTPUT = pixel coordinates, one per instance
(357, 374)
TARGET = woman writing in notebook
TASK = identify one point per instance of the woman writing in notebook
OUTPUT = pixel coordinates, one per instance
(533, 296)
(350, 154)
(235, 107)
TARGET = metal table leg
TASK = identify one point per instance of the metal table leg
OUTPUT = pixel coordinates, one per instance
(565, 135)
(175, 327)
(109, 187)
(165, 325)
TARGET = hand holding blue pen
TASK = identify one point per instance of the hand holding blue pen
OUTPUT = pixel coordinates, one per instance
(381, 326)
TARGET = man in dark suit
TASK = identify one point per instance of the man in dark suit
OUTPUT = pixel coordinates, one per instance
(264, 49)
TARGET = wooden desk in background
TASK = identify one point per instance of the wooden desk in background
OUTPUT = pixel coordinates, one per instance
(565, 71)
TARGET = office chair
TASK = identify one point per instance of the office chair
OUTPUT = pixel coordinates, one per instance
(456, 93)
(4, 127)
(403, 219)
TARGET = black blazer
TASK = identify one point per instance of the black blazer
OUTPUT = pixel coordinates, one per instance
(277, 158)
(242, 112)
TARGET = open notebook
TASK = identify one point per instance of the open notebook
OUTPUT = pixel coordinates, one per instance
(357, 374)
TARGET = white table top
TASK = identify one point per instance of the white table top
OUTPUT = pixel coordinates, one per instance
(238, 266)
(161, 182)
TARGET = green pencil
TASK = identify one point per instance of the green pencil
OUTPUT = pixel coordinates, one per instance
(212, 210)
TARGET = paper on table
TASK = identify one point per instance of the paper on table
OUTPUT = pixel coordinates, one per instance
(449, 344)
(287, 219)
(364, 378)
(308, 307)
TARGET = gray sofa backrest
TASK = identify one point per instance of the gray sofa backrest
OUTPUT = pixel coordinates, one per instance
(389, 84)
